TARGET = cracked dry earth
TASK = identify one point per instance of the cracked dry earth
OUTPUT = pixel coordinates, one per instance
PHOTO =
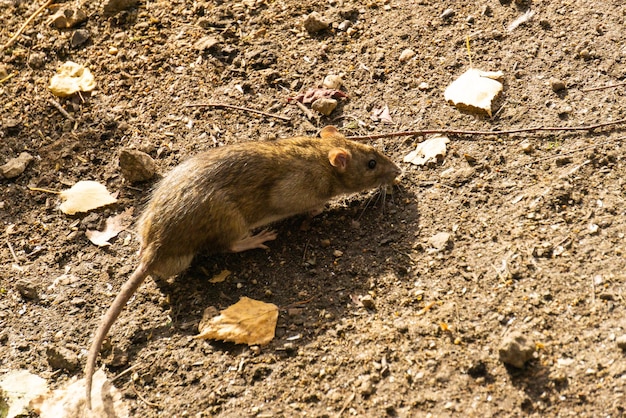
(405, 302)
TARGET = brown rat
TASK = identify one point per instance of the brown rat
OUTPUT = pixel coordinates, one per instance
(213, 201)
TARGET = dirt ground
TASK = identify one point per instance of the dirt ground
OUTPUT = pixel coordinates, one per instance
(535, 221)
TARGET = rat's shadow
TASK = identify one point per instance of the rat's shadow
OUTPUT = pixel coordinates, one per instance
(316, 265)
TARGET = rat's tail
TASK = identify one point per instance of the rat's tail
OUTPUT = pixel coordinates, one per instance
(126, 292)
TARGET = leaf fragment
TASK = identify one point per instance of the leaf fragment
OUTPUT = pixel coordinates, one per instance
(475, 90)
(71, 78)
(248, 321)
(85, 196)
(114, 225)
(428, 151)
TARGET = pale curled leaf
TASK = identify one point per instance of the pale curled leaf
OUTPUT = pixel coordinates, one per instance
(18, 388)
(114, 225)
(69, 400)
(248, 321)
(475, 90)
(71, 78)
(85, 196)
(428, 151)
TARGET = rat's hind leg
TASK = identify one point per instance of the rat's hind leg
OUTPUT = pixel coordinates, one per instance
(250, 242)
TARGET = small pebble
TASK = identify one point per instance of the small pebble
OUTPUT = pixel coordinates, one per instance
(621, 342)
(527, 147)
(469, 19)
(515, 350)
(337, 253)
(325, 243)
(447, 14)
(37, 59)
(113, 7)
(67, 17)
(367, 387)
(332, 81)
(26, 289)
(557, 85)
(423, 86)
(368, 302)
(16, 166)
(324, 106)
(406, 55)
(315, 23)
(344, 26)
(62, 358)
(79, 37)
(136, 166)
(440, 241)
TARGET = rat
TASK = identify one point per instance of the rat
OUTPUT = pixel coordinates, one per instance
(213, 201)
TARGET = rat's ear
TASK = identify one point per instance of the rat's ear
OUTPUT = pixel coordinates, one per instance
(329, 132)
(339, 158)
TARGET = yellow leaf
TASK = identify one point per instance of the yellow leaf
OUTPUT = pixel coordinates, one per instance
(248, 321)
(71, 78)
(85, 196)
(220, 277)
(474, 90)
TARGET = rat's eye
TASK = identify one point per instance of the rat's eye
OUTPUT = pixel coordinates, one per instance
(371, 164)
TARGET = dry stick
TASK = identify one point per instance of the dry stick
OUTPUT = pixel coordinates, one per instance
(17, 261)
(30, 19)
(505, 132)
(7, 77)
(60, 108)
(245, 109)
(604, 87)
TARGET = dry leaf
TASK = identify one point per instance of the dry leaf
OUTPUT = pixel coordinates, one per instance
(85, 196)
(114, 225)
(382, 115)
(248, 321)
(71, 78)
(220, 277)
(313, 94)
(19, 388)
(474, 90)
(70, 402)
(428, 151)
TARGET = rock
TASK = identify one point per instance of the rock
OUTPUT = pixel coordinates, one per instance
(423, 86)
(16, 166)
(113, 7)
(367, 387)
(332, 81)
(315, 23)
(206, 43)
(11, 125)
(62, 358)
(136, 166)
(440, 241)
(557, 85)
(344, 26)
(621, 342)
(27, 289)
(337, 253)
(447, 14)
(79, 37)
(368, 302)
(324, 106)
(37, 59)
(67, 17)
(406, 55)
(515, 350)
(527, 147)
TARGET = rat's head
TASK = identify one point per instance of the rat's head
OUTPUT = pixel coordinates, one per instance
(358, 166)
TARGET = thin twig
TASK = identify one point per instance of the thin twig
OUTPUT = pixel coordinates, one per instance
(309, 115)
(245, 109)
(30, 19)
(346, 404)
(604, 87)
(147, 402)
(125, 372)
(13, 252)
(8, 77)
(60, 108)
(504, 132)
